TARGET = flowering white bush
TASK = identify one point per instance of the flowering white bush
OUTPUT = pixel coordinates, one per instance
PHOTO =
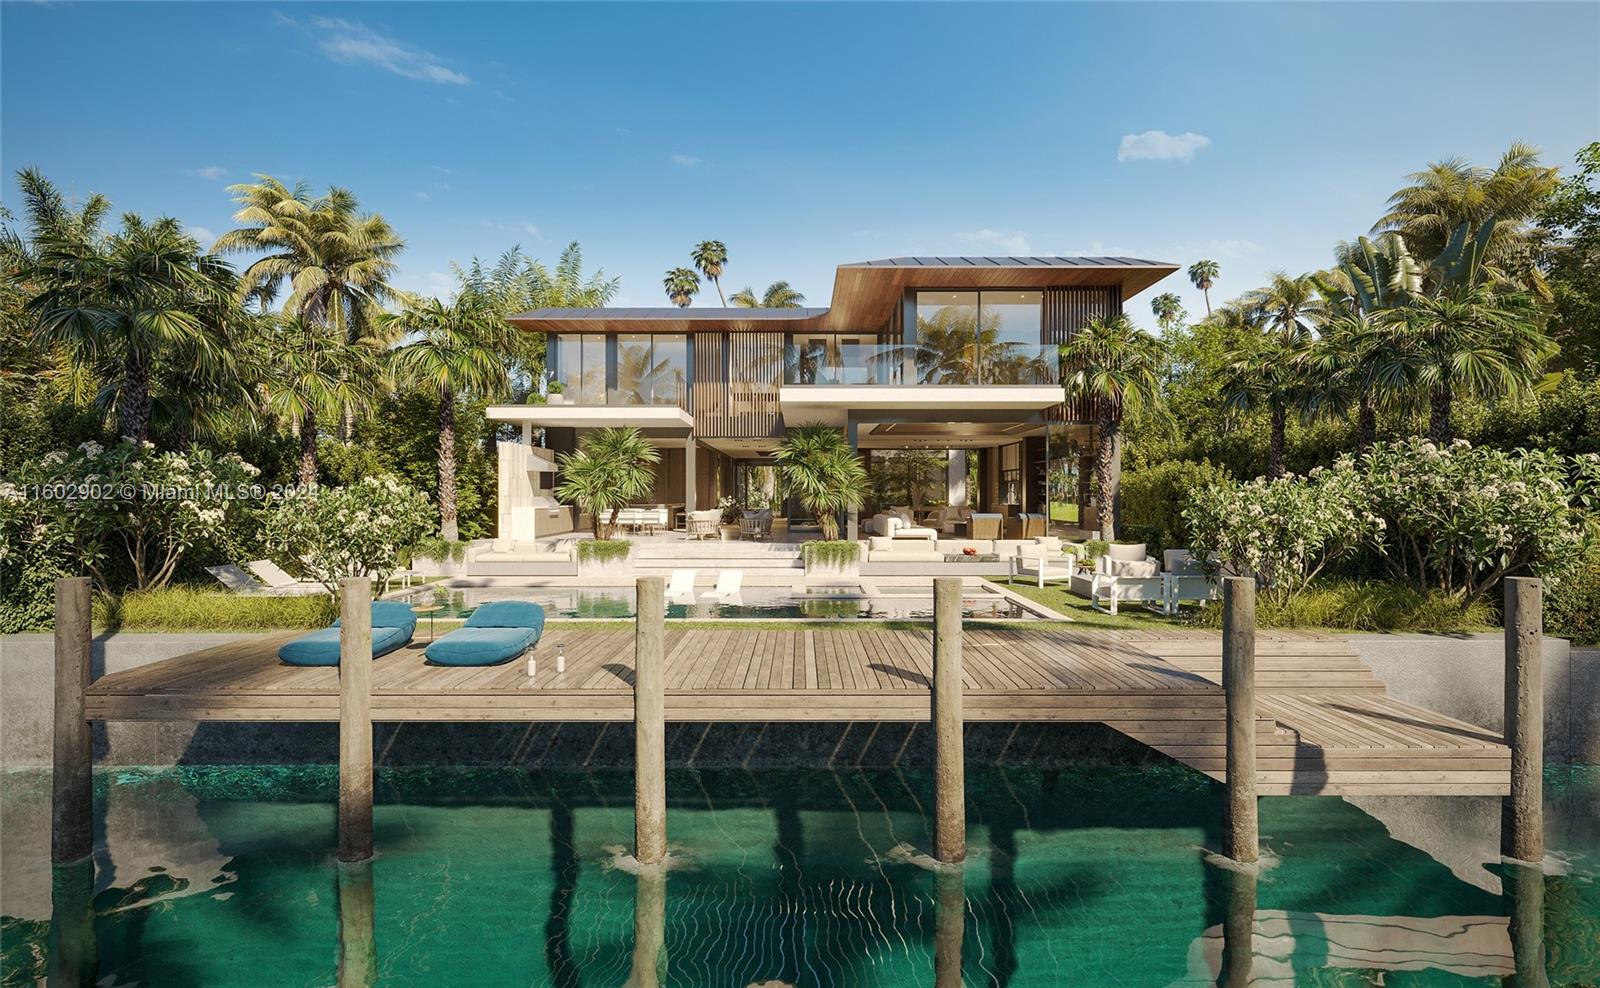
(1456, 519)
(1460, 518)
(86, 504)
(1285, 532)
(367, 527)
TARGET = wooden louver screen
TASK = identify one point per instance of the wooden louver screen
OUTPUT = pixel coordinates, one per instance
(736, 384)
(1067, 310)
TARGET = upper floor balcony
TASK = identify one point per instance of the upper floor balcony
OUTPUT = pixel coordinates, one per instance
(903, 364)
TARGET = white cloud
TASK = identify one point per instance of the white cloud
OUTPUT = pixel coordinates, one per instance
(210, 172)
(424, 197)
(532, 231)
(354, 43)
(1012, 243)
(1158, 145)
(685, 160)
(1098, 249)
(201, 234)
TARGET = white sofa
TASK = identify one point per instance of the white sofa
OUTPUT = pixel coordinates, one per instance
(887, 549)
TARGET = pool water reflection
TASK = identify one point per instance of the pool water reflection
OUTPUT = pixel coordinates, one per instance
(489, 877)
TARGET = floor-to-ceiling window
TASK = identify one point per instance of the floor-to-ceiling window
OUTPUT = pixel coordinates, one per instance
(628, 369)
(990, 337)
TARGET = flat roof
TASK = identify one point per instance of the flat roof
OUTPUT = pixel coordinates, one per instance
(864, 294)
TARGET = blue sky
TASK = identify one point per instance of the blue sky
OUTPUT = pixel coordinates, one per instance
(801, 135)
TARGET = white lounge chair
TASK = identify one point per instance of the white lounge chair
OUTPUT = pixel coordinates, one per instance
(236, 579)
(728, 583)
(275, 576)
(680, 588)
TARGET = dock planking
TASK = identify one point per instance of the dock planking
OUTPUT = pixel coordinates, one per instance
(1325, 723)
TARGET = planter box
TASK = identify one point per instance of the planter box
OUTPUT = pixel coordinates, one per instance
(602, 569)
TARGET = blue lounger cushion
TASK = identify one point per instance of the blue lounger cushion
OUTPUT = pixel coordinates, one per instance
(497, 632)
(393, 624)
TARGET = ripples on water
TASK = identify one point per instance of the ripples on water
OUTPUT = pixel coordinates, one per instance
(225, 877)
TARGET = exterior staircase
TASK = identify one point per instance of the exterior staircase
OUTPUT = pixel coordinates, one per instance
(757, 559)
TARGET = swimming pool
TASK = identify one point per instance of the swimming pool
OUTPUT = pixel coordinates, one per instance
(1089, 877)
(882, 602)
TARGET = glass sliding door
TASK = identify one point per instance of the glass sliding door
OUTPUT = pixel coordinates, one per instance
(635, 370)
(669, 368)
(947, 338)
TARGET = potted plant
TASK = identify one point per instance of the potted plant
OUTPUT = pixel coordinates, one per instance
(554, 393)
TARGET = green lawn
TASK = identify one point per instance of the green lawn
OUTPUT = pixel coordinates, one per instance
(1063, 602)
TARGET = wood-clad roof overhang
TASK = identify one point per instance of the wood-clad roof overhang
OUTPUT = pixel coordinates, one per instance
(864, 295)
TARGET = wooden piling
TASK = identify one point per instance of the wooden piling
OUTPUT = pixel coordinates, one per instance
(74, 954)
(1240, 834)
(72, 784)
(649, 723)
(358, 951)
(949, 928)
(1522, 814)
(648, 967)
(949, 772)
(1238, 929)
(1524, 890)
(355, 719)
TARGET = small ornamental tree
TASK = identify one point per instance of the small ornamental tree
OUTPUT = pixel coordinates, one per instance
(94, 506)
(1460, 518)
(366, 528)
(1284, 532)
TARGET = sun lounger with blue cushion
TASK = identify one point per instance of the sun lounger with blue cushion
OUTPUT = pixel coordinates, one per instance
(392, 626)
(497, 632)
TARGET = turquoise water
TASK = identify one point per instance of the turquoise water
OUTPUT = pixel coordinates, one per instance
(1092, 877)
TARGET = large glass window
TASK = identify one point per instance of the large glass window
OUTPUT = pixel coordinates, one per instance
(947, 338)
(980, 337)
(639, 369)
(669, 369)
(634, 372)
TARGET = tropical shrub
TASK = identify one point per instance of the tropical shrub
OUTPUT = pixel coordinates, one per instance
(99, 510)
(1572, 600)
(369, 527)
(1156, 497)
(817, 465)
(1459, 518)
(611, 468)
(1365, 605)
(1286, 531)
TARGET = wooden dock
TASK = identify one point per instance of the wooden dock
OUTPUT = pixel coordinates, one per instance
(1325, 724)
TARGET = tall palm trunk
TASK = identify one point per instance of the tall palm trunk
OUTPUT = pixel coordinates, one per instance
(447, 465)
(308, 448)
(1280, 422)
(1439, 406)
(1108, 474)
(135, 411)
(1366, 424)
(718, 283)
(1207, 293)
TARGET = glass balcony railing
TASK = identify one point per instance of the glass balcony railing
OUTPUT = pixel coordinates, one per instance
(911, 364)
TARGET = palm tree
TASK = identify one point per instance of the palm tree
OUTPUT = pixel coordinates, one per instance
(1288, 305)
(1464, 340)
(817, 466)
(1509, 197)
(457, 349)
(710, 257)
(779, 295)
(682, 284)
(336, 260)
(1266, 370)
(312, 372)
(611, 467)
(1343, 359)
(1116, 366)
(1203, 274)
(1168, 310)
(128, 299)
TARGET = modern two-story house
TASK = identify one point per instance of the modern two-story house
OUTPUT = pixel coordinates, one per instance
(952, 354)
